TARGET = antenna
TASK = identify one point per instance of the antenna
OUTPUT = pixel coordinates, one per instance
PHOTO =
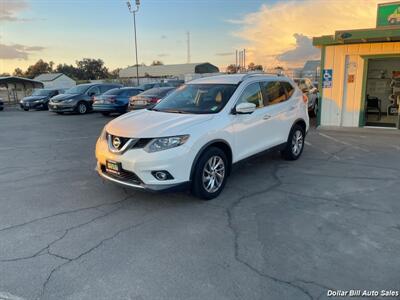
(188, 47)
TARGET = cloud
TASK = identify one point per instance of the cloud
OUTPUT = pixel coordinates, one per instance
(17, 51)
(9, 9)
(225, 54)
(304, 50)
(280, 33)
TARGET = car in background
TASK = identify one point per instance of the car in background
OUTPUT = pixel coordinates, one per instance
(149, 98)
(308, 89)
(115, 100)
(80, 98)
(174, 82)
(152, 85)
(1, 104)
(39, 99)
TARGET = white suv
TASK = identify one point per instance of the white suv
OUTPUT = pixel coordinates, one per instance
(194, 135)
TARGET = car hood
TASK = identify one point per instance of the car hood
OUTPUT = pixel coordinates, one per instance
(147, 124)
(62, 97)
(33, 98)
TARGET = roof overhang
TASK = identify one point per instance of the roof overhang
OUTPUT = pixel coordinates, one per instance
(15, 80)
(359, 36)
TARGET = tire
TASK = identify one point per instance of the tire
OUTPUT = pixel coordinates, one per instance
(106, 114)
(212, 157)
(82, 108)
(314, 111)
(59, 113)
(26, 109)
(294, 148)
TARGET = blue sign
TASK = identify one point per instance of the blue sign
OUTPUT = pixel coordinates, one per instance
(327, 78)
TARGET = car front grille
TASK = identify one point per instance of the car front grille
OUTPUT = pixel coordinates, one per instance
(135, 144)
(125, 176)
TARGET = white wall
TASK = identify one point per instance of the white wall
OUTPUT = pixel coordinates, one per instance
(62, 82)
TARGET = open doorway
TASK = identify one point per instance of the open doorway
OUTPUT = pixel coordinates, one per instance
(383, 92)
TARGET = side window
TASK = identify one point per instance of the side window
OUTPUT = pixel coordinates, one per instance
(94, 91)
(288, 87)
(252, 94)
(274, 92)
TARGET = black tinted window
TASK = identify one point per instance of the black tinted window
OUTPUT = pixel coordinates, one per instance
(129, 93)
(252, 94)
(94, 91)
(288, 87)
(274, 92)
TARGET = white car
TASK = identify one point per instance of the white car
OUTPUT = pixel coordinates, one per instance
(194, 136)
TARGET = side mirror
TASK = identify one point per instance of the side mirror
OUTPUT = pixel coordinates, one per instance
(245, 108)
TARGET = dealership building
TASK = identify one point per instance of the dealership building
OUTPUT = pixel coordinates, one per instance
(360, 74)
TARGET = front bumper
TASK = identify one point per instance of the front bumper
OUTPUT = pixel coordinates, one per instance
(32, 105)
(58, 107)
(138, 165)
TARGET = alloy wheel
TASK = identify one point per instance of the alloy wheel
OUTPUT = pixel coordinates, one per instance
(297, 142)
(82, 108)
(213, 174)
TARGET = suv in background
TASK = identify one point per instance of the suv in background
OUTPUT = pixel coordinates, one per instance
(39, 99)
(79, 98)
(307, 87)
(195, 134)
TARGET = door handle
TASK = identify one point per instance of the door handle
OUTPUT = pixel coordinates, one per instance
(266, 117)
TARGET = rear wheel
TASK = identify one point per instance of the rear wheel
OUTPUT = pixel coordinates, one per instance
(209, 177)
(106, 114)
(82, 108)
(295, 143)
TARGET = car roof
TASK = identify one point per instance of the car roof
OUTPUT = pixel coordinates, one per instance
(232, 78)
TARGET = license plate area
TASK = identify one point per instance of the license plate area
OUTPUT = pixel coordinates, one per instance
(113, 167)
(140, 102)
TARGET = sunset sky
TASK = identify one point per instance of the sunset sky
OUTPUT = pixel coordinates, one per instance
(273, 32)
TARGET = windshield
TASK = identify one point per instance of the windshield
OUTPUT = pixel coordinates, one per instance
(41, 92)
(79, 89)
(197, 98)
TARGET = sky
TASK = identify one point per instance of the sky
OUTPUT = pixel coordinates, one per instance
(272, 32)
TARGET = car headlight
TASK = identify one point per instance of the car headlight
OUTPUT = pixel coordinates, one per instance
(164, 143)
(38, 101)
(68, 100)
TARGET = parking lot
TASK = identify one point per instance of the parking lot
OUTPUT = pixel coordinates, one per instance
(280, 230)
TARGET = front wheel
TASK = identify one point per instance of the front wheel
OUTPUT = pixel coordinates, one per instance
(295, 143)
(209, 177)
(26, 109)
(82, 108)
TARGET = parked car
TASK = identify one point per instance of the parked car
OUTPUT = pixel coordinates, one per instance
(307, 87)
(194, 135)
(115, 100)
(149, 98)
(174, 82)
(152, 85)
(39, 99)
(79, 98)
(1, 104)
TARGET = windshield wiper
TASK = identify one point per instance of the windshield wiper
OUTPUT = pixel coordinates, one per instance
(176, 111)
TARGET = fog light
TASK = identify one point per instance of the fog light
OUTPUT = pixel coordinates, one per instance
(162, 175)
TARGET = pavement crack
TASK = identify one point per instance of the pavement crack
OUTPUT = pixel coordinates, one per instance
(99, 244)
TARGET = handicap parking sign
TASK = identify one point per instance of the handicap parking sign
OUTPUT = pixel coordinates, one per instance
(327, 78)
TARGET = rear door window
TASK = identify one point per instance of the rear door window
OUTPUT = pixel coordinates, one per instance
(94, 91)
(274, 92)
(288, 88)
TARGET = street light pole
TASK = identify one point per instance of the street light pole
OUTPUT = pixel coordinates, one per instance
(134, 11)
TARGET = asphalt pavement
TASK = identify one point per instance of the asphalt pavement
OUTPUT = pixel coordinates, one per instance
(280, 230)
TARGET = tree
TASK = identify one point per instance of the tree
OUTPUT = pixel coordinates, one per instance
(231, 69)
(157, 63)
(4, 74)
(38, 68)
(69, 70)
(92, 69)
(253, 67)
(114, 74)
(18, 72)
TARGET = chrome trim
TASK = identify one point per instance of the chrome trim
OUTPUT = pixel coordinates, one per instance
(129, 143)
(137, 186)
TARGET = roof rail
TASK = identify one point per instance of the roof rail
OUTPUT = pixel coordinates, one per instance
(249, 75)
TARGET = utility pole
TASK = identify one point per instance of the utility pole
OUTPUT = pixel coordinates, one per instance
(188, 47)
(133, 12)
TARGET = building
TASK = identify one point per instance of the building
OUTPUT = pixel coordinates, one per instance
(177, 71)
(55, 81)
(13, 89)
(360, 73)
